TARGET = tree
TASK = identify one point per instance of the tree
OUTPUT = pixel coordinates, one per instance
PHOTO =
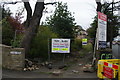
(39, 45)
(32, 22)
(112, 22)
(106, 9)
(5, 13)
(93, 29)
(10, 25)
(7, 32)
(62, 21)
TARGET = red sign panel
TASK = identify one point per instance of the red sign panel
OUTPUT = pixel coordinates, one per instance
(108, 72)
(102, 16)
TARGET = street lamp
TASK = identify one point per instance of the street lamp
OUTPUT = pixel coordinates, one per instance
(99, 6)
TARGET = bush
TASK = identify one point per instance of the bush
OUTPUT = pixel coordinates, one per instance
(87, 47)
(76, 45)
(16, 42)
(39, 46)
(7, 32)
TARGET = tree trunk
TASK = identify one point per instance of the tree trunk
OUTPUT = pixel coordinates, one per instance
(33, 26)
(29, 14)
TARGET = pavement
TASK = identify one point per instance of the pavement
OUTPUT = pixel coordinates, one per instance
(29, 74)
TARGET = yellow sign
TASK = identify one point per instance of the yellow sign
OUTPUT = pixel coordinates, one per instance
(84, 40)
(64, 49)
(56, 49)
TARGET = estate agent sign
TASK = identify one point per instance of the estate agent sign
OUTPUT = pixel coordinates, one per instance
(102, 27)
(60, 45)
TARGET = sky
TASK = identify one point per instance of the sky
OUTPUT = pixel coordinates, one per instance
(83, 10)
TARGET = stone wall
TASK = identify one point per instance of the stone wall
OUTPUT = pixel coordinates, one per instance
(13, 58)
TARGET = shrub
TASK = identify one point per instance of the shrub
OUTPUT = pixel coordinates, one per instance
(16, 42)
(39, 46)
(76, 45)
(87, 47)
(7, 32)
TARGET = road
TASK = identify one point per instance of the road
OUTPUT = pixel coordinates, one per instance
(29, 74)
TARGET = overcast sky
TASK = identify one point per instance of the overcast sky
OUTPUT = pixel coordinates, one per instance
(82, 10)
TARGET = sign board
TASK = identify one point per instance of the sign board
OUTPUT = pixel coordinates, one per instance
(15, 52)
(60, 46)
(102, 29)
(108, 72)
(102, 44)
(84, 41)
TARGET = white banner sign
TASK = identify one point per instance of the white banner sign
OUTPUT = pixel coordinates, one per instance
(102, 26)
(60, 45)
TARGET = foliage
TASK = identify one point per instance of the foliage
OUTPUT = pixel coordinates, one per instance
(62, 22)
(112, 23)
(76, 45)
(11, 28)
(39, 46)
(16, 42)
(5, 12)
(16, 25)
(87, 47)
(92, 30)
(7, 32)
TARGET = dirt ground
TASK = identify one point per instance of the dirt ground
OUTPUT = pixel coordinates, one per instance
(74, 69)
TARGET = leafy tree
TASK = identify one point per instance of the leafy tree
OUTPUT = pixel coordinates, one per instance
(112, 21)
(7, 32)
(11, 28)
(39, 46)
(32, 22)
(92, 30)
(62, 21)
